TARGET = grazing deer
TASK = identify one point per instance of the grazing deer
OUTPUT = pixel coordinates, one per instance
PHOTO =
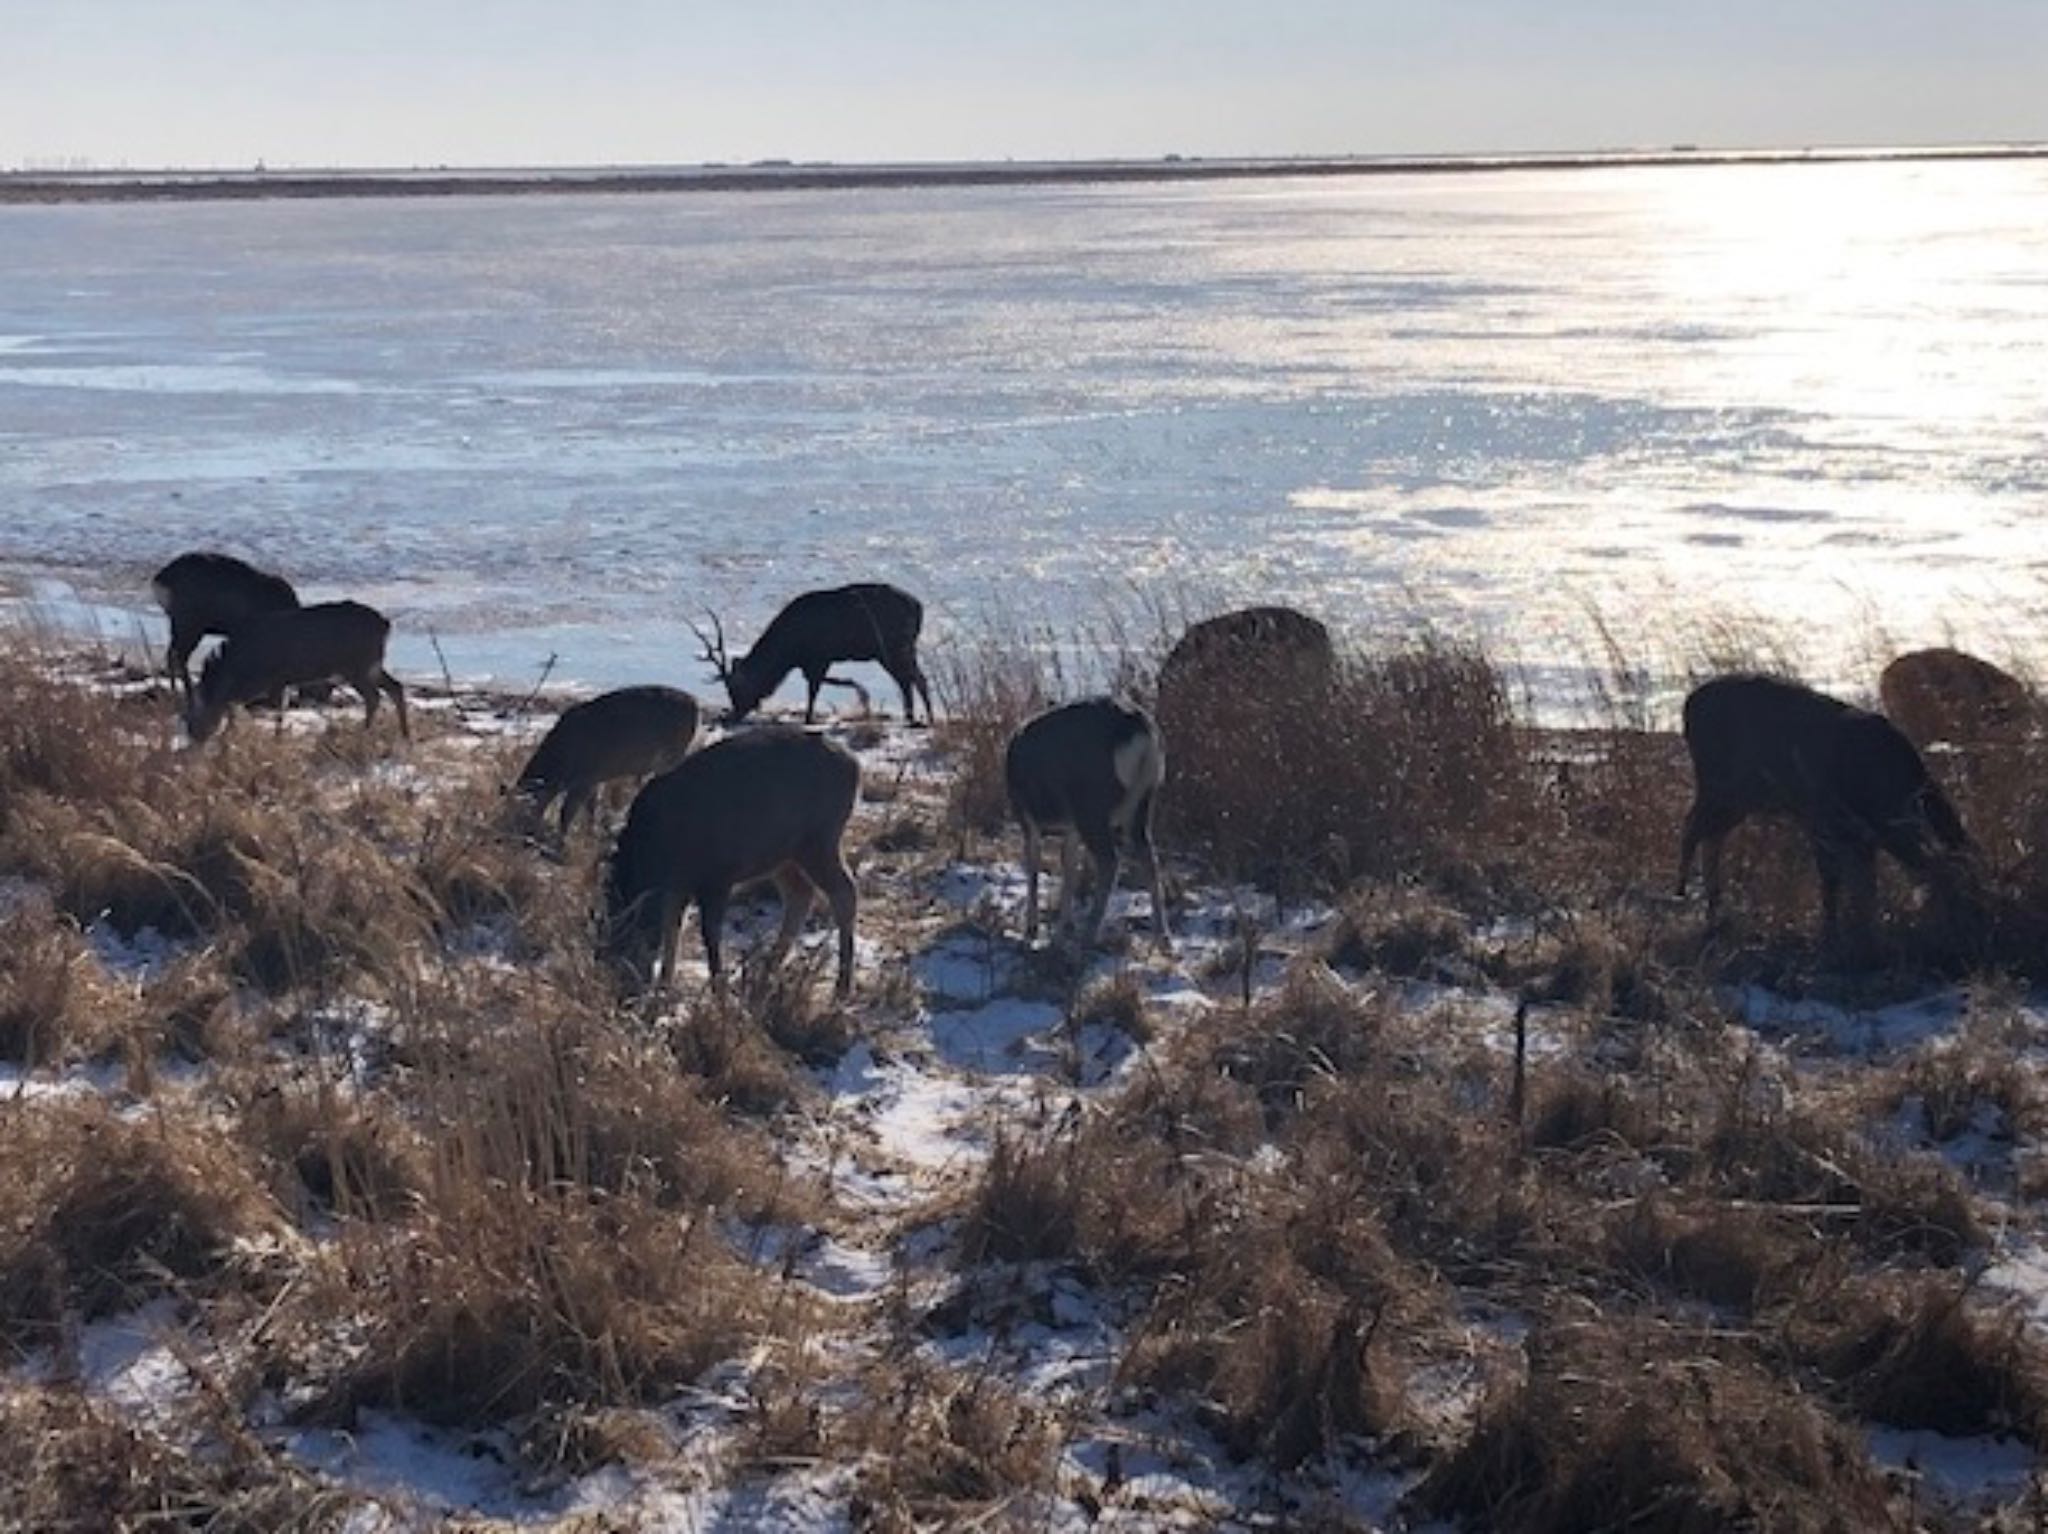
(772, 802)
(1091, 769)
(329, 641)
(819, 629)
(1762, 746)
(633, 732)
(1256, 648)
(1943, 696)
(203, 593)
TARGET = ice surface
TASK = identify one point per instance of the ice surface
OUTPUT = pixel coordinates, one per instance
(561, 426)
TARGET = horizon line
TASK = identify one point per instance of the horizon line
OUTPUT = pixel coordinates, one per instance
(131, 183)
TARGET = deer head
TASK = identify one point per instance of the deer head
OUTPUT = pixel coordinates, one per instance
(740, 685)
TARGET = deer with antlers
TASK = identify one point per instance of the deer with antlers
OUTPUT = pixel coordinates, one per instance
(817, 631)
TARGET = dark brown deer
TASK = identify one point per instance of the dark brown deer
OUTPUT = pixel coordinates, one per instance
(816, 631)
(1852, 781)
(327, 642)
(633, 732)
(204, 593)
(767, 803)
(1256, 649)
(1092, 770)
(1945, 697)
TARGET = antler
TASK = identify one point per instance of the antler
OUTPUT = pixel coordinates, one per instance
(714, 649)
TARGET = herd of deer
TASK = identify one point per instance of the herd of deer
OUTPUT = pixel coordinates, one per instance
(774, 802)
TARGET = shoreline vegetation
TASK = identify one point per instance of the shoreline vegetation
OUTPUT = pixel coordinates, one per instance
(221, 184)
(1451, 1172)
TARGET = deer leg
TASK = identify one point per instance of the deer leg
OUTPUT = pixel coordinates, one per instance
(1102, 852)
(901, 676)
(1069, 876)
(577, 801)
(1031, 862)
(828, 871)
(1710, 868)
(671, 930)
(389, 684)
(365, 684)
(711, 905)
(1695, 829)
(923, 688)
(813, 680)
(796, 889)
(1141, 844)
(177, 659)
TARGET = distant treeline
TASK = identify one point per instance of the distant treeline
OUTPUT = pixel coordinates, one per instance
(172, 185)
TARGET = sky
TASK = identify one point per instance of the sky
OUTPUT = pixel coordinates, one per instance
(536, 82)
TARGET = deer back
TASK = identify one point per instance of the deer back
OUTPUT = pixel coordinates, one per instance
(1063, 766)
(324, 642)
(734, 811)
(217, 593)
(1945, 695)
(859, 622)
(1762, 745)
(629, 732)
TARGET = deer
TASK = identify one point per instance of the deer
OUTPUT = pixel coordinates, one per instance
(767, 803)
(1091, 770)
(1945, 697)
(632, 732)
(329, 641)
(205, 593)
(1761, 745)
(1253, 646)
(817, 630)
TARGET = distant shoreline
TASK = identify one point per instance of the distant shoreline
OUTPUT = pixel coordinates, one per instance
(30, 187)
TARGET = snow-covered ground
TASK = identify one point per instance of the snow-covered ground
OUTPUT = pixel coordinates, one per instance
(899, 1126)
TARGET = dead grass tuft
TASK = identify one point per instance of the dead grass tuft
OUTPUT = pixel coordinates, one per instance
(1642, 1428)
(75, 1467)
(945, 1445)
(99, 1213)
(1916, 1351)
(500, 1301)
(336, 1154)
(55, 1004)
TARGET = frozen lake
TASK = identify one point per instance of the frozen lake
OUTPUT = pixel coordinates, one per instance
(564, 424)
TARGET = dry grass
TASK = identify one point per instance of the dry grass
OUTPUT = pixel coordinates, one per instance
(1641, 1427)
(494, 1302)
(56, 1004)
(1919, 1351)
(946, 1448)
(98, 1214)
(74, 1466)
(522, 1196)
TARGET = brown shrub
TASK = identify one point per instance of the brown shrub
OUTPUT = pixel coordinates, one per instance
(73, 1466)
(1639, 1428)
(1734, 1257)
(1314, 1026)
(1027, 1207)
(943, 1445)
(1277, 1329)
(1915, 1351)
(61, 738)
(498, 1301)
(522, 1082)
(1409, 766)
(98, 1213)
(54, 1004)
(986, 693)
(335, 1154)
(1397, 932)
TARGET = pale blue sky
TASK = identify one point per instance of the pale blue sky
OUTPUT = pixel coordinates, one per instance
(402, 82)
